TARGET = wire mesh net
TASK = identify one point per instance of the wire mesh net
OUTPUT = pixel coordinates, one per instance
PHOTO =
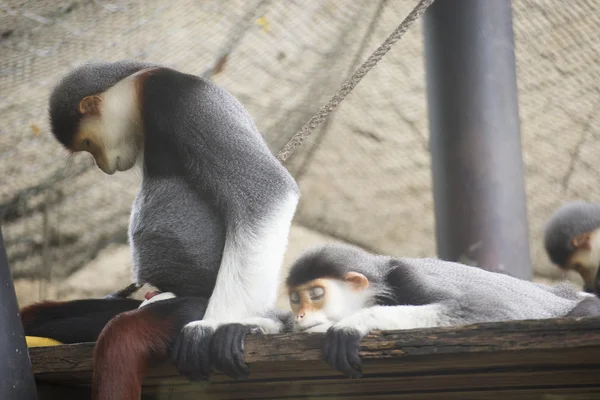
(364, 175)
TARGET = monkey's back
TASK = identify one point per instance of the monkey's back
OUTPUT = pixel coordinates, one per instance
(177, 237)
(489, 296)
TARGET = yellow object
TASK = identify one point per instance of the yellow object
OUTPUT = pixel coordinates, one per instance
(36, 341)
(264, 24)
(35, 129)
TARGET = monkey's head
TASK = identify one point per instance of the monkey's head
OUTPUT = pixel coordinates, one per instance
(572, 240)
(95, 109)
(324, 286)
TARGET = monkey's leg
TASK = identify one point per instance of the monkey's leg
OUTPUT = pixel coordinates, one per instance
(135, 340)
(75, 321)
(342, 342)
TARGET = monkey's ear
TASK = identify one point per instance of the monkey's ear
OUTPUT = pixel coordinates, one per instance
(357, 281)
(90, 105)
(582, 241)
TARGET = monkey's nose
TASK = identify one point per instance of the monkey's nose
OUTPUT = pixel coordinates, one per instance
(300, 316)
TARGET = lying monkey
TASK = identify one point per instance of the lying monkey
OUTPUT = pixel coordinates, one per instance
(348, 292)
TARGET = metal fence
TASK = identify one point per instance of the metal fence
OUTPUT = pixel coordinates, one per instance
(365, 175)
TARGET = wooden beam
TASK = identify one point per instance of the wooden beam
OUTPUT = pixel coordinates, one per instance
(520, 360)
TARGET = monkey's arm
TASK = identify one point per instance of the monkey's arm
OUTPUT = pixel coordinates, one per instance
(342, 341)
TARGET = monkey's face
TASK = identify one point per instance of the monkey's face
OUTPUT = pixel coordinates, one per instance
(320, 303)
(110, 128)
(585, 260)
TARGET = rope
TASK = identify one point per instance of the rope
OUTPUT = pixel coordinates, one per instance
(312, 151)
(351, 82)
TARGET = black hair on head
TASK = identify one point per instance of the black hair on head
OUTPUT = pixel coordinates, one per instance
(329, 261)
(313, 265)
(568, 221)
(89, 79)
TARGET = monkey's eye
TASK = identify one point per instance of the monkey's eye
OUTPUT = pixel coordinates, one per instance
(295, 298)
(86, 143)
(316, 293)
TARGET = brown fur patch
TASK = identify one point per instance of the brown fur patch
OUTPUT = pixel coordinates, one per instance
(126, 347)
(28, 313)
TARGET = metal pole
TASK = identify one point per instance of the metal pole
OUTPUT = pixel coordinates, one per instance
(477, 166)
(16, 375)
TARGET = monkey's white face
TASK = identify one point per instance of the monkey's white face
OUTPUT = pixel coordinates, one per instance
(110, 129)
(322, 302)
(586, 259)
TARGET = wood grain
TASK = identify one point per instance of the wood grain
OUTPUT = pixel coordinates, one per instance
(542, 359)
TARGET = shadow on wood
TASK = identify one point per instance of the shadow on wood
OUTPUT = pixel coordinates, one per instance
(545, 359)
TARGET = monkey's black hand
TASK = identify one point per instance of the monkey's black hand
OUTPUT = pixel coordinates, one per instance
(227, 349)
(341, 351)
(191, 351)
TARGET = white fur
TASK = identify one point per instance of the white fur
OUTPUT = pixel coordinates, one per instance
(395, 317)
(589, 259)
(342, 301)
(268, 326)
(119, 125)
(248, 277)
(586, 294)
(158, 297)
(595, 248)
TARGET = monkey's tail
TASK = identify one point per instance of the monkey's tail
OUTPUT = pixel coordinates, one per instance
(74, 321)
(134, 341)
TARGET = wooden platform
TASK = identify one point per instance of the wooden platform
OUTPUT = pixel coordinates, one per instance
(550, 360)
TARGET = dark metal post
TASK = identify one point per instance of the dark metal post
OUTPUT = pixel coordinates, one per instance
(16, 375)
(478, 182)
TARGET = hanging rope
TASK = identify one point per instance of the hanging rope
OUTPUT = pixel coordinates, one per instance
(351, 82)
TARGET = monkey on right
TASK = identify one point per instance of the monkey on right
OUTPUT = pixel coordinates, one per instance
(348, 292)
(572, 241)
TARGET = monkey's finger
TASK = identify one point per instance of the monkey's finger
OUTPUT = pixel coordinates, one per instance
(352, 354)
(227, 349)
(330, 350)
(352, 349)
(187, 355)
(217, 348)
(241, 367)
(340, 345)
(222, 348)
(342, 362)
(205, 336)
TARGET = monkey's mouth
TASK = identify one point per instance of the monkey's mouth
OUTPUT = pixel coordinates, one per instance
(106, 169)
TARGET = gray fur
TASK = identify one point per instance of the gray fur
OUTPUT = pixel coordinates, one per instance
(568, 221)
(473, 295)
(208, 173)
(178, 249)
